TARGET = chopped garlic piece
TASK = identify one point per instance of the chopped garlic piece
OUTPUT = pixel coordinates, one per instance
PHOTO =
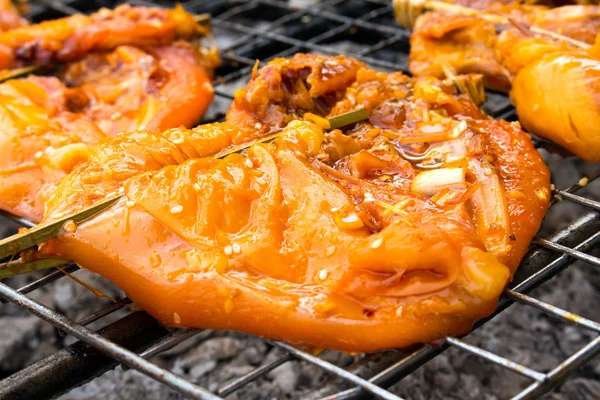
(376, 243)
(428, 183)
(176, 209)
(323, 274)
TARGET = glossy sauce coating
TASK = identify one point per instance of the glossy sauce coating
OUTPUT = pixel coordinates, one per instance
(73, 37)
(468, 44)
(554, 86)
(9, 16)
(556, 91)
(50, 123)
(321, 239)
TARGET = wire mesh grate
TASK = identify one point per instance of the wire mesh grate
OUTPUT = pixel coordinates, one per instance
(263, 30)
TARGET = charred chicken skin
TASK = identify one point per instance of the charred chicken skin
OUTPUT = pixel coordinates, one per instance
(554, 86)
(51, 122)
(400, 230)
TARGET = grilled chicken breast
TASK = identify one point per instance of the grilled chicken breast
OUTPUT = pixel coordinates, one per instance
(399, 230)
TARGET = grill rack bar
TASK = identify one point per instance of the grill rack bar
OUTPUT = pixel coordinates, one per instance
(98, 341)
(536, 275)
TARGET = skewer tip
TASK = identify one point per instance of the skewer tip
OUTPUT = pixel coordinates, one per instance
(407, 11)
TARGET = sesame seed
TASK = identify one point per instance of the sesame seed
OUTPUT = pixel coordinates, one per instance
(399, 311)
(323, 274)
(350, 218)
(236, 248)
(39, 154)
(70, 226)
(130, 203)
(121, 190)
(176, 318)
(329, 251)
(176, 209)
(249, 163)
(258, 125)
(376, 243)
(197, 187)
(228, 250)
(583, 181)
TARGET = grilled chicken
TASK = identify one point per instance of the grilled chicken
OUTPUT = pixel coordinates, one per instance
(9, 16)
(555, 91)
(128, 74)
(73, 37)
(554, 86)
(400, 230)
(467, 43)
(50, 122)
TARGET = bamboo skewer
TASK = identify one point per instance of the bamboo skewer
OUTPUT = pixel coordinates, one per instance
(41, 233)
(203, 19)
(18, 72)
(17, 267)
(471, 85)
(407, 11)
(334, 123)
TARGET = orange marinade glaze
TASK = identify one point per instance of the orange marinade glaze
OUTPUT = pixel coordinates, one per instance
(319, 239)
(468, 44)
(49, 123)
(71, 38)
(9, 16)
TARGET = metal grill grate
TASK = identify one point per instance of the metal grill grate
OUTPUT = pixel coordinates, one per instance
(264, 29)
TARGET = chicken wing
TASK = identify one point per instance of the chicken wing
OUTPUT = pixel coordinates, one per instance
(400, 230)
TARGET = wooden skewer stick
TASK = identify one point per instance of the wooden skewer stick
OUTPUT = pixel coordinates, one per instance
(407, 11)
(471, 84)
(202, 19)
(335, 122)
(7, 75)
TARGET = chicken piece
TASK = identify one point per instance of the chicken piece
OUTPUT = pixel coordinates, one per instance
(9, 16)
(73, 37)
(320, 239)
(467, 43)
(487, 4)
(554, 87)
(578, 22)
(50, 123)
(258, 110)
(555, 91)
(463, 42)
